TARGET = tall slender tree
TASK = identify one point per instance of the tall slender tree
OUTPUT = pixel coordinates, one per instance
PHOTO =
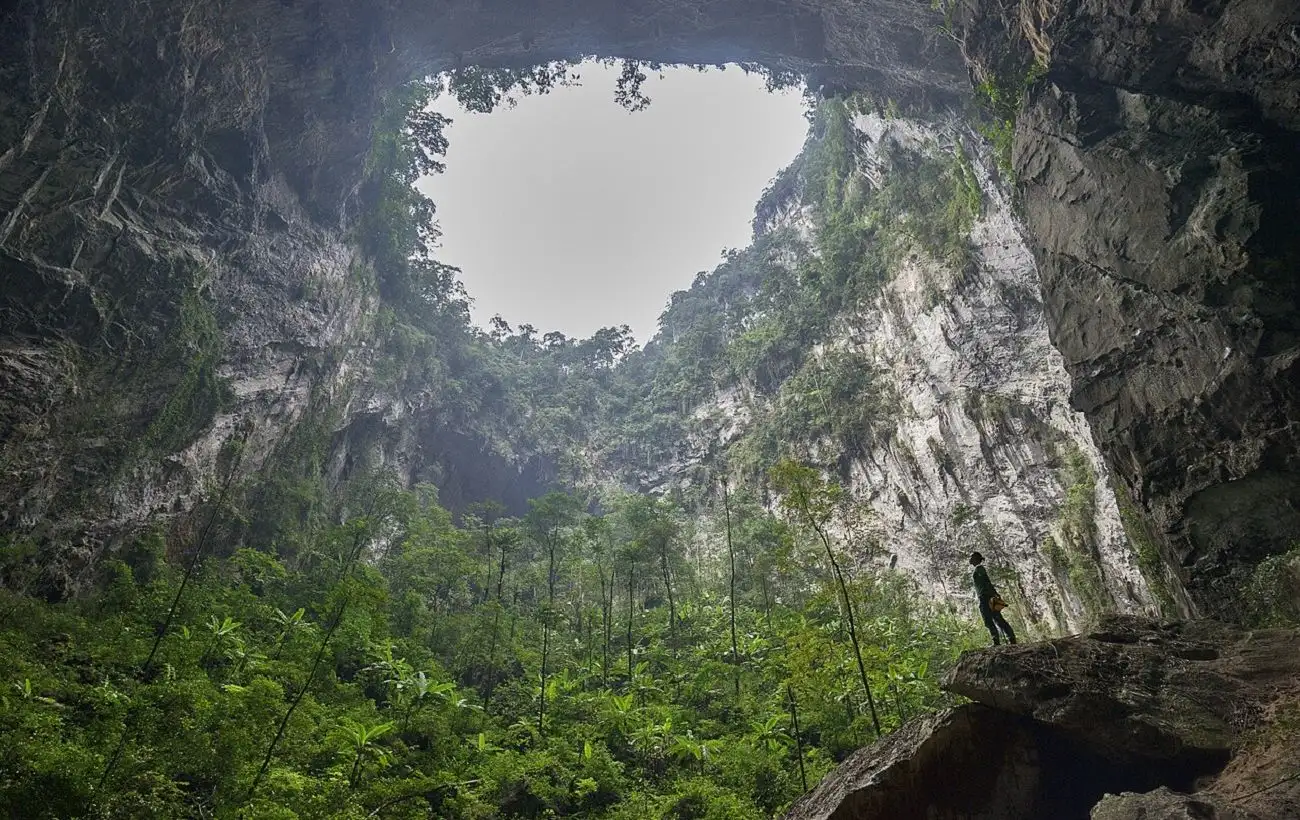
(547, 518)
(731, 582)
(653, 527)
(812, 499)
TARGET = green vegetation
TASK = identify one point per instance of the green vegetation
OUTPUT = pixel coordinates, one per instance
(755, 320)
(1149, 561)
(467, 671)
(1272, 593)
(1001, 96)
(194, 347)
(1074, 553)
(319, 643)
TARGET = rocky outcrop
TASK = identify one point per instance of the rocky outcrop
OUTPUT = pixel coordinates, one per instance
(1148, 713)
(1138, 691)
(1168, 805)
(969, 763)
(909, 773)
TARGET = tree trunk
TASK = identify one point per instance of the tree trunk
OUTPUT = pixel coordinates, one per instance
(492, 657)
(798, 741)
(501, 571)
(631, 579)
(606, 615)
(547, 617)
(731, 558)
(487, 582)
(853, 629)
(668, 587)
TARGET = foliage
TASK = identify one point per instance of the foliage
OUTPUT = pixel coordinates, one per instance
(195, 341)
(1001, 95)
(357, 651)
(1272, 592)
(412, 684)
(1149, 560)
(1075, 551)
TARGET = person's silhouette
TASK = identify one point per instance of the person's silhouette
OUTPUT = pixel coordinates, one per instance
(987, 594)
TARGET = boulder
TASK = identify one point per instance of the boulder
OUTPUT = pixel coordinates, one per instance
(1131, 721)
(966, 762)
(972, 763)
(1135, 690)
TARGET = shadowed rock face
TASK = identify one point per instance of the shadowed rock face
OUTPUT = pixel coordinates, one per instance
(907, 773)
(1159, 164)
(1134, 707)
(1167, 805)
(976, 763)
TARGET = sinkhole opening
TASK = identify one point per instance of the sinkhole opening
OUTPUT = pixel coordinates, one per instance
(566, 212)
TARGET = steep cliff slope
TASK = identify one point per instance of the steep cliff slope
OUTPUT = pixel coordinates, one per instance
(182, 186)
(1158, 162)
(926, 382)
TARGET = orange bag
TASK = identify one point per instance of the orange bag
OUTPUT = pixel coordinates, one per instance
(997, 604)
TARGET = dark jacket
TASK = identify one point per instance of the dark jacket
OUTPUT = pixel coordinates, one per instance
(983, 586)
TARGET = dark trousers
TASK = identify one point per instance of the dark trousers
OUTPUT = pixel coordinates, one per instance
(994, 620)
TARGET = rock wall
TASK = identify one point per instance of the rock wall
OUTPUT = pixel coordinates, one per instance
(986, 451)
(979, 448)
(181, 300)
(163, 290)
(170, 168)
(1159, 162)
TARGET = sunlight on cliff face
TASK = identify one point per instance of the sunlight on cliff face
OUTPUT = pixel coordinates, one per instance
(570, 213)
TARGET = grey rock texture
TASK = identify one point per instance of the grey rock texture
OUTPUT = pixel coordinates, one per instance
(1159, 164)
(979, 457)
(178, 183)
(1167, 805)
(980, 449)
(1135, 720)
(910, 773)
(1139, 691)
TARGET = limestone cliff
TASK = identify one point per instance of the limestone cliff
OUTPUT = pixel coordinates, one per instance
(180, 186)
(1158, 161)
(975, 445)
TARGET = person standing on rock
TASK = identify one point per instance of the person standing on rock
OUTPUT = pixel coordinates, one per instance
(991, 603)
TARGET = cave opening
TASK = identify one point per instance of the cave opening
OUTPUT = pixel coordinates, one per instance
(982, 764)
(567, 212)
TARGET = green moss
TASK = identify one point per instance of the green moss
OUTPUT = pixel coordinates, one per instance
(1000, 97)
(989, 406)
(1149, 560)
(1272, 593)
(1056, 558)
(195, 343)
(928, 202)
(1075, 556)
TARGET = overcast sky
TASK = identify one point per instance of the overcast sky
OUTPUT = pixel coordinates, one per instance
(570, 213)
